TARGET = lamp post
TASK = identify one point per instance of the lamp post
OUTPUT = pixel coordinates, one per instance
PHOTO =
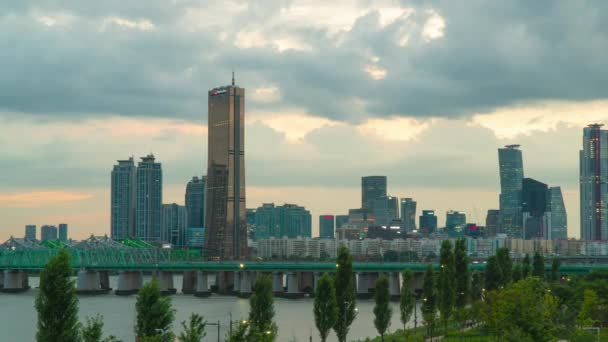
(218, 329)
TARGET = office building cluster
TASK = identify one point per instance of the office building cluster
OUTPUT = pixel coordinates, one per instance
(47, 232)
(288, 220)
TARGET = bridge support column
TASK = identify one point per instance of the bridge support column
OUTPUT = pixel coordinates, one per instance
(202, 284)
(416, 284)
(277, 284)
(293, 290)
(306, 282)
(362, 285)
(89, 283)
(393, 285)
(165, 280)
(129, 282)
(245, 284)
(188, 282)
(104, 281)
(1, 279)
(225, 282)
(15, 281)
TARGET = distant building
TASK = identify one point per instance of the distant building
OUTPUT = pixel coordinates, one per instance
(385, 232)
(593, 160)
(288, 220)
(341, 220)
(195, 202)
(173, 224)
(372, 188)
(250, 220)
(326, 226)
(536, 218)
(559, 218)
(454, 220)
(428, 222)
(30, 232)
(48, 233)
(123, 199)
(149, 199)
(386, 209)
(492, 218)
(359, 219)
(408, 214)
(511, 178)
(63, 232)
(195, 237)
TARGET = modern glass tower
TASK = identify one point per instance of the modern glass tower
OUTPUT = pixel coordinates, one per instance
(386, 209)
(225, 221)
(123, 195)
(372, 188)
(195, 202)
(594, 183)
(511, 178)
(408, 214)
(30, 232)
(326, 226)
(149, 200)
(173, 224)
(559, 218)
(428, 222)
(455, 219)
(63, 232)
(536, 218)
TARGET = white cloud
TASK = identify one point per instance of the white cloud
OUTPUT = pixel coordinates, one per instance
(434, 26)
(266, 94)
(395, 128)
(142, 24)
(294, 125)
(376, 73)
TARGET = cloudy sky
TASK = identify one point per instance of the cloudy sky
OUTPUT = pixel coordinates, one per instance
(421, 91)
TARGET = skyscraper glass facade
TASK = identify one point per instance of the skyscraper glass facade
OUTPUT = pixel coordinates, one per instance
(123, 198)
(63, 232)
(288, 220)
(372, 188)
(511, 178)
(173, 224)
(454, 220)
(30, 232)
(559, 217)
(149, 200)
(408, 214)
(326, 226)
(195, 202)
(428, 222)
(386, 209)
(594, 183)
(536, 219)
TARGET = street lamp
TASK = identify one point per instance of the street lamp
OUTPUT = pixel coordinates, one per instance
(218, 329)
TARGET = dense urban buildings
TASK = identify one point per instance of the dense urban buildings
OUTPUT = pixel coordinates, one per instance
(536, 219)
(123, 198)
(408, 214)
(326, 226)
(594, 183)
(30, 232)
(225, 226)
(454, 220)
(195, 237)
(511, 178)
(492, 222)
(173, 224)
(195, 202)
(48, 233)
(341, 220)
(559, 218)
(288, 220)
(149, 200)
(428, 222)
(372, 188)
(63, 232)
(385, 210)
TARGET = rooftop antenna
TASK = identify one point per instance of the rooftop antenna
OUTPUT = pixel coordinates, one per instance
(233, 78)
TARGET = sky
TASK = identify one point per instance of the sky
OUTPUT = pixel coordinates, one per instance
(423, 92)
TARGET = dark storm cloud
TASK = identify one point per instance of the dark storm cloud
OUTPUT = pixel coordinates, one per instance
(492, 54)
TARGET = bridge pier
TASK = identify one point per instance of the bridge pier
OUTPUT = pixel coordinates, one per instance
(104, 280)
(225, 282)
(365, 284)
(165, 280)
(202, 284)
(277, 284)
(129, 282)
(393, 285)
(15, 281)
(306, 283)
(245, 282)
(293, 290)
(89, 283)
(188, 282)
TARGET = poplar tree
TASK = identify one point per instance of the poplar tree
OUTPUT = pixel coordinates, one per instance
(154, 314)
(325, 306)
(407, 301)
(194, 331)
(382, 310)
(345, 293)
(446, 282)
(493, 274)
(555, 265)
(506, 265)
(538, 269)
(261, 315)
(526, 269)
(429, 300)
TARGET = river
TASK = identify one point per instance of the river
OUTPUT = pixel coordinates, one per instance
(293, 317)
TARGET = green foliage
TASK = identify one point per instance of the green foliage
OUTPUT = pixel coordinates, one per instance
(92, 331)
(239, 334)
(493, 274)
(477, 286)
(194, 331)
(526, 268)
(517, 273)
(57, 302)
(506, 265)
(155, 314)
(538, 266)
(429, 299)
(345, 293)
(391, 256)
(325, 306)
(462, 277)
(555, 265)
(382, 310)
(589, 313)
(407, 301)
(446, 281)
(261, 315)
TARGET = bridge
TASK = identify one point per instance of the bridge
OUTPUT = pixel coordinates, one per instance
(96, 258)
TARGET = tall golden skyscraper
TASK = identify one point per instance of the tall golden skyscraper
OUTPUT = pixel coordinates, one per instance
(225, 225)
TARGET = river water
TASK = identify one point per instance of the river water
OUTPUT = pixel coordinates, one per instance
(294, 317)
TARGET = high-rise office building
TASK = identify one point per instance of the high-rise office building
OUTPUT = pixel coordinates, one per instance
(593, 160)
(408, 214)
(386, 210)
(250, 221)
(149, 200)
(454, 219)
(559, 218)
(195, 237)
(30, 232)
(492, 222)
(536, 219)
(266, 224)
(326, 226)
(511, 177)
(63, 232)
(48, 233)
(173, 224)
(195, 202)
(288, 220)
(428, 222)
(225, 226)
(123, 198)
(341, 220)
(372, 188)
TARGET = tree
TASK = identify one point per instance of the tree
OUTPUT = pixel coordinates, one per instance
(526, 269)
(538, 266)
(345, 293)
(478, 286)
(57, 302)
(588, 314)
(555, 265)
(517, 273)
(155, 314)
(506, 265)
(446, 282)
(92, 331)
(325, 306)
(407, 301)
(382, 310)
(391, 256)
(261, 315)
(429, 299)
(493, 275)
(194, 331)
(461, 269)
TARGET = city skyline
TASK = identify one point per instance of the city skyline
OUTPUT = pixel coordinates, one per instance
(328, 102)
